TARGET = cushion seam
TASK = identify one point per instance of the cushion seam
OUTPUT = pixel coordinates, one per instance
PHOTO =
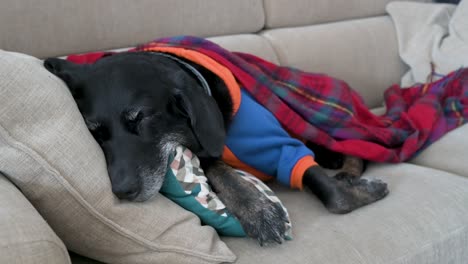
(272, 47)
(75, 194)
(435, 167)
(280, 57)
(53, 243)
(427, 166)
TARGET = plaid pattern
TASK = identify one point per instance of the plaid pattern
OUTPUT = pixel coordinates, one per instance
(326, 111)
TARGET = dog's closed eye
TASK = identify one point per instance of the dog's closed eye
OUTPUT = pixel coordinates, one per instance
(132, 120)
(133, 115)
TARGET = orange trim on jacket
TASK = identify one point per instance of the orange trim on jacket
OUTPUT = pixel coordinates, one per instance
(233, 161)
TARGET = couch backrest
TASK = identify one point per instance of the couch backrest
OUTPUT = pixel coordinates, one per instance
(287, 13)
(57, 27)
(349, 39)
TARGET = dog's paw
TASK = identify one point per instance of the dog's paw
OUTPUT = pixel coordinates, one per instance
(263, 220)
(351, 193)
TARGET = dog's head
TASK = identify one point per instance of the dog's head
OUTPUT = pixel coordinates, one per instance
(138, 107)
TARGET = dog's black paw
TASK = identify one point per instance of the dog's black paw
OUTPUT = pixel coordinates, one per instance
(263, 220)
(351, 193)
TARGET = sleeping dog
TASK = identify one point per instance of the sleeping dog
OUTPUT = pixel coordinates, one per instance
(140, 105)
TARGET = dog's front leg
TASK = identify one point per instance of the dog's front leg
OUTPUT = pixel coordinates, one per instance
(345, 191)
(260, 217)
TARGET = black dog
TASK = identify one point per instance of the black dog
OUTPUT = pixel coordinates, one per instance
(139, 106)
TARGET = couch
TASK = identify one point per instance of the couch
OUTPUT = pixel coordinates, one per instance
(423, 220)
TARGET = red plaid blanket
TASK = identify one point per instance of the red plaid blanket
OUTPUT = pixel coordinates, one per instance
(326, 111)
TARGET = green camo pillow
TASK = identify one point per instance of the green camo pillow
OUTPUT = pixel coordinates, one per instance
(186, 185)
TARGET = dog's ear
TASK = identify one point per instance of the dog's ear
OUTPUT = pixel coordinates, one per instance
(68, 71)
(206, 121)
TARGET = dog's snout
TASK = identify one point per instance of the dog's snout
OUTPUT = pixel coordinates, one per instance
(125, 192)
(125, 186)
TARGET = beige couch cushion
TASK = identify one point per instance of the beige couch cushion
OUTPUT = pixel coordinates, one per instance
(46, 149)
(24, 236)
(248, 43)
(423, 220)
(56, 27)
(448, 153)
(282, 13)
(362, 52)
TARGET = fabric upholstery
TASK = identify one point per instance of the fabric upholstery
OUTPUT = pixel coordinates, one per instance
(55, 27)
(248, 43)
(282, 13)
(46, 150)
(25, 236)
(423, 220)
(448, 153)
(379, 110)
(362, 52)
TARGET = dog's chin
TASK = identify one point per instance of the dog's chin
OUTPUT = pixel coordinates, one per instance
(152, 183)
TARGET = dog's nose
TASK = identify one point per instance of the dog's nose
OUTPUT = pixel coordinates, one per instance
(126, 188)
(125, 192)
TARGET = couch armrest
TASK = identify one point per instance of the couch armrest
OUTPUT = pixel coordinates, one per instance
(25, 237)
